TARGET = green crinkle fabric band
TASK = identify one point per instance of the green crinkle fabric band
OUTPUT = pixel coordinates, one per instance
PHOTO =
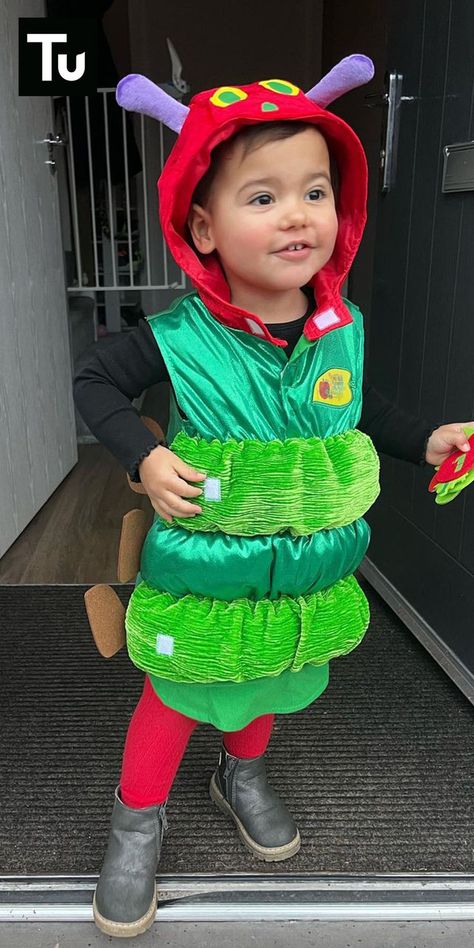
(200, 639)
(299, 485)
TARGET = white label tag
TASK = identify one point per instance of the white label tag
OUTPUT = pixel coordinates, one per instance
(255, 328)
(212, 488)
(164, 644)
(328, 318)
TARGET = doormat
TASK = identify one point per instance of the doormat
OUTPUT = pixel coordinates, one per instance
(378, 772)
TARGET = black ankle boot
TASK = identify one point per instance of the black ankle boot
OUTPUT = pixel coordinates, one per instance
(240, 789)
(125, 898)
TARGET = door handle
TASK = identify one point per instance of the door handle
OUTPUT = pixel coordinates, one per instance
(51, 141)
(392, 98)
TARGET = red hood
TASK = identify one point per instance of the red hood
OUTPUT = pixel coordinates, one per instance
(211, 120)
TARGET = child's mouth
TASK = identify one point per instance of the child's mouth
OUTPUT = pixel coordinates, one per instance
(294, 252)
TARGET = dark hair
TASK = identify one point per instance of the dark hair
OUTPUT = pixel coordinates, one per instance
(252, 137)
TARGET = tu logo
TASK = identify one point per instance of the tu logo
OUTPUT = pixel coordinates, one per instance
(57, 56)
(47, 40)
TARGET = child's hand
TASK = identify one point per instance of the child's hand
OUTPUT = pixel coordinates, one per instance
(164, 477)
(446, 439)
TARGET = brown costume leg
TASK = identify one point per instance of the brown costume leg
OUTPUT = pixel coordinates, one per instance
(105, 611)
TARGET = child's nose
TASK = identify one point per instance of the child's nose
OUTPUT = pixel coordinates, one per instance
(294, 216)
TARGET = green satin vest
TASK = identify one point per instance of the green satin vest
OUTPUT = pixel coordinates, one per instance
(237, 611)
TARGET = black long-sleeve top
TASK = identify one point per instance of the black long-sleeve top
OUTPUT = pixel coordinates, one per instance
(112, 377)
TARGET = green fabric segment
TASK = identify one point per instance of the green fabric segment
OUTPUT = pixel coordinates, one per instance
(229, 96)
(300, 485)
(204, 640)
(229, 706)
(281, 564)
(232, 385)
(278, 86)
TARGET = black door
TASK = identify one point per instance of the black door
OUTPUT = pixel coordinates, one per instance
(418, 295)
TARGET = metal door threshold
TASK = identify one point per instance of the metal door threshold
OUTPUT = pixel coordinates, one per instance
(236, 898)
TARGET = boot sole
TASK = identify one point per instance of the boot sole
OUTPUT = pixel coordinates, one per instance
(126, 929)
(266, 853)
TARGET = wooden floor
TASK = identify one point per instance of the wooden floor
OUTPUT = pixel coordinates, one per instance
(74, 538)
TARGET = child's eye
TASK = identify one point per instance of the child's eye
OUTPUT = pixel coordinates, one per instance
(261, 200)
(316, 194)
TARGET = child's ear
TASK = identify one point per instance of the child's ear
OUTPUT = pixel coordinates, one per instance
(199, 223)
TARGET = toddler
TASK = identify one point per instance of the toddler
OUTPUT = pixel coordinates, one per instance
(246, 588)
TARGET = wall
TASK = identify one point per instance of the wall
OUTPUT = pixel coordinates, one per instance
(218, 44)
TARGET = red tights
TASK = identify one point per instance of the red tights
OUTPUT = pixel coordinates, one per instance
(156, 741)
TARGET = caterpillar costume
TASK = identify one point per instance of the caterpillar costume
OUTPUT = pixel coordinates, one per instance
(237, 611)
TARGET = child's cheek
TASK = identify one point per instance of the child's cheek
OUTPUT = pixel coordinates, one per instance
(250, 239)
(328, 231)
(334, 225)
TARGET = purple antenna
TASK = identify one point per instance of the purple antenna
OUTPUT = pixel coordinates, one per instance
(138, 94)
(351, 72)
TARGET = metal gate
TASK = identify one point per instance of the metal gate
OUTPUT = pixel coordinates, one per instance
(114, 249)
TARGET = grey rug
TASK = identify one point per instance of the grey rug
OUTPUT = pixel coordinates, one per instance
(378, 772)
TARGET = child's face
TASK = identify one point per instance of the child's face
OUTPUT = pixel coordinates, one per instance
(262, 203)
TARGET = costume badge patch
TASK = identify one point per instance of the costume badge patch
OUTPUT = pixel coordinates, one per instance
(332, 388)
